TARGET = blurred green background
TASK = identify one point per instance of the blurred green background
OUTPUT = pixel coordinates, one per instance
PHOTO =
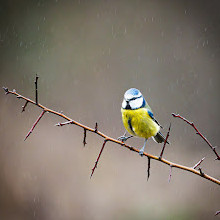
(87, 54)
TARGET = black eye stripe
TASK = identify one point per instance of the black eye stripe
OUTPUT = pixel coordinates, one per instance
(134, 98)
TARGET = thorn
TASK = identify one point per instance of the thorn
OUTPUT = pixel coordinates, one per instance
(24, 106)
(96, 127)
(36, 89)
(148, 168)
(200, 170)
(84, 138)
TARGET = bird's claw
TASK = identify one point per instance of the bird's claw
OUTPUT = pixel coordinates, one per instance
(141, 153)
(124, 138)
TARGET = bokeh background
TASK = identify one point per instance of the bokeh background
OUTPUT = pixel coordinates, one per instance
(87, 54)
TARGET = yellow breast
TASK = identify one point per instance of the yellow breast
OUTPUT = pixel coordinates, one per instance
(139, 123)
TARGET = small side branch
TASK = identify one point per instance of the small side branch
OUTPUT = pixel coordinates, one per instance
(148, 168)
(197, 164)
(199, 133)
(35, 123)
(97, 160)
(165, 142)
(36, 89)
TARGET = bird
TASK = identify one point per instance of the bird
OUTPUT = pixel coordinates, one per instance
(138, 118)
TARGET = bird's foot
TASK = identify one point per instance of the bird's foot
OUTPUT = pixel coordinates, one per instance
(141, 153)
(123, 138)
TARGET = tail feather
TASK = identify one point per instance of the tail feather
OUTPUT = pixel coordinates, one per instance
(159, 138)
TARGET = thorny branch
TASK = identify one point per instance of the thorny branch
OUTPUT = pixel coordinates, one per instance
(197, 132)
(107, 138)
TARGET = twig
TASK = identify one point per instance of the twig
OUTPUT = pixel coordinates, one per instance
(165, 142)
(97, 160)
(35, 123)
(199, 133)
(36, 89)
(170, 175)
(148, 168)
(162, 160)
(197, 164)
(84, 138)
(24, 106)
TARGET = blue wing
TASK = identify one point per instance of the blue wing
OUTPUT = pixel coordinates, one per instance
(152, 116)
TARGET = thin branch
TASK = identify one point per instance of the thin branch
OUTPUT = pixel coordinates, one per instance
(197, 164)
(34, 125)
(84, 138)
(148, 168)
(24, 106)
(162, 160)
(36, 89)
(97, 160)
(199, 133)
(165, 142)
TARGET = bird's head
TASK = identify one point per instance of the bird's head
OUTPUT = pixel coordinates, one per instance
(133, 99)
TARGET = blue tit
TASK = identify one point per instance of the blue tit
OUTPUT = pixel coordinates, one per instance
(138, 118)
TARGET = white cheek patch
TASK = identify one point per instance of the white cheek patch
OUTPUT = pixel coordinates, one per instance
(123, 104)
(137, 103)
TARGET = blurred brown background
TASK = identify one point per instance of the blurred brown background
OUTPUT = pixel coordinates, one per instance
(87, 54)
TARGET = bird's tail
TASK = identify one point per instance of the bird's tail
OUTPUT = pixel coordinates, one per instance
(159, 138)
